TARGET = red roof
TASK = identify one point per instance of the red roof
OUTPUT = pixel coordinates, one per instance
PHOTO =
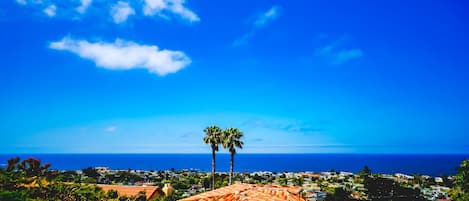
(250, 192)
(150, 191)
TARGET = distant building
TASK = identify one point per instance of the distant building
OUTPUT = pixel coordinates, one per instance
(102, 170)
(310, 175)
(346, 174)
(168, 189)
(315, 195)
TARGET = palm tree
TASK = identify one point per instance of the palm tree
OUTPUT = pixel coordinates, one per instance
(231, 141)
(213, 138)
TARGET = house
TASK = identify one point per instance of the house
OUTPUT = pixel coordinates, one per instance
(102, 170)
(315, 195)
(250, 192)
(309, 175)
(130, 191)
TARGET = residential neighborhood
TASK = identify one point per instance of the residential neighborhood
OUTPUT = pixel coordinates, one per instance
(190, 184)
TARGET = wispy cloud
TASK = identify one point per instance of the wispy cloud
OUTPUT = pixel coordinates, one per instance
(163, 7)
(257, 140)
(267, 17)
(50, 10)
(262, 20)
(26, 2)
(111, 129)
(346, 55)
(121, 11)
(302, 128)
(125, 55)
(84, 6)
(287, 126)
(336, 53)
(22, 2)
(243, 40)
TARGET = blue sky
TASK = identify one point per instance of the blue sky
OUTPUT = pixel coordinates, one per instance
(95, 76)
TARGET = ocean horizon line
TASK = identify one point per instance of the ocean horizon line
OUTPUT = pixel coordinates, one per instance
(223, 153)
(431, 164)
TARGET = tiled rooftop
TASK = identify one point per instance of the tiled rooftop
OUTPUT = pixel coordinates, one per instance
(250, 192)
(150, 191)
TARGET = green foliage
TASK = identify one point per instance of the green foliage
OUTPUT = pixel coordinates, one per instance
(282, 181)
(206, 182)
(141, 196)
(125, 177)
(13, 195)
(338, 194)
(365, 172)
(387, 189)
(125, 198)
(298, 181)
(446, 181)
(91, 172)
(181, 185)
(422, 181)
(213, 136)
(90, 180)
(231, 139)
(28, 180)
(461, 183)
(462, 178)
(220, 181)
(165, 198)
(67, 176)
(112, 194)
(457, 194)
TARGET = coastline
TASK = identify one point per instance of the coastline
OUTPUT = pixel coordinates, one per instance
(429, 164)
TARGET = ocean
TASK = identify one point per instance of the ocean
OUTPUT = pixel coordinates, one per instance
(433, 165)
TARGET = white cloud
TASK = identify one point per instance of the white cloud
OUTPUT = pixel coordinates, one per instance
(176, 7)
(84, 5)
(244, 39)
(336, 54)
(346, 55)
(111, 129)
(22, 2)
(262, 20)
(125, 55)
(121, 11)
(25, 2)
(268, 16)
(50, 10)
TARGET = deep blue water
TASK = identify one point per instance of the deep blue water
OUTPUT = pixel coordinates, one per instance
(379, 163)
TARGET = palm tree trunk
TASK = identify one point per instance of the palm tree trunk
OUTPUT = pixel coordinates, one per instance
(213, 169)
(231, 167)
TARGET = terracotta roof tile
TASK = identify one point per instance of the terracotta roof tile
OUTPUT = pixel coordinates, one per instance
(250, 192)
(150, 191)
